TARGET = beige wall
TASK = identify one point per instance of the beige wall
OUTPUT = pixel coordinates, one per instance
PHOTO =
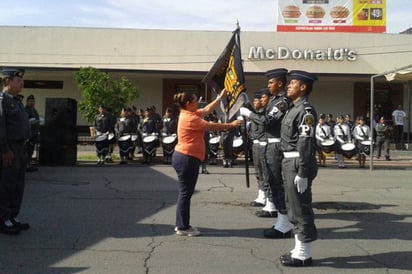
(146, 57)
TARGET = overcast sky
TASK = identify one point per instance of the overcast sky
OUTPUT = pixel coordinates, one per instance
(253, 15)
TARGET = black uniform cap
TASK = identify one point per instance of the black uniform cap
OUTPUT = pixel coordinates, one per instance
(12, 72)
(30, 97)
(264, 91)
(301, 75)
(276, 73)
(257, 95)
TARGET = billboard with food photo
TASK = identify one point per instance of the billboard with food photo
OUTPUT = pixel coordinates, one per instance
(331, 16)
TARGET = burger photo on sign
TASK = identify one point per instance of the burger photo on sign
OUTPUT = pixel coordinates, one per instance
(291, 12)
(339, 12)
(315, 12)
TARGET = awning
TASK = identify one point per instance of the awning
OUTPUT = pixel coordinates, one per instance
(401, 75)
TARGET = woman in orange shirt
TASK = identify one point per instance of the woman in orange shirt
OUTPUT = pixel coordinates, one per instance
(190, 152)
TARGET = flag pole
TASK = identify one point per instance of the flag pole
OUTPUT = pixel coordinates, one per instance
(246, 152)
(245, 136)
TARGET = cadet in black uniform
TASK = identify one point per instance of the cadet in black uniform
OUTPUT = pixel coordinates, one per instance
(272, 118)
(34, 121)
(299, 166)
(14, 132)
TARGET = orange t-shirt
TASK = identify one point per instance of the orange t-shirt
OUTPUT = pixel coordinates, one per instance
(191, 134)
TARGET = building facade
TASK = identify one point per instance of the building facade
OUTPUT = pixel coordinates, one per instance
(162, 62)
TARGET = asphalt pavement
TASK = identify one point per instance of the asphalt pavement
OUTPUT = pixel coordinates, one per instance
(120, 219)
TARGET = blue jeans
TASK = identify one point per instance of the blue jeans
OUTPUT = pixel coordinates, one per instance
(187, 169)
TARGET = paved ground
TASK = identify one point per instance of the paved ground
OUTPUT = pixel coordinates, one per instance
(120, 219)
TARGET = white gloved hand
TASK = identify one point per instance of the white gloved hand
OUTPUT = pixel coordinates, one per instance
(301, 183)
(245, 112)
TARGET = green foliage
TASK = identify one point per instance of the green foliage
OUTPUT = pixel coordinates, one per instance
(98, 88)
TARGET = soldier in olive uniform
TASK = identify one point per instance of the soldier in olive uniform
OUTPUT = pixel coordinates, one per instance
(14, 132)
(272, 118)
(299, 166)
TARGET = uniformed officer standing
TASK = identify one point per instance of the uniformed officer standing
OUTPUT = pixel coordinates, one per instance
(299, 166)
(14, 132)
(272, 117)
(257, 135)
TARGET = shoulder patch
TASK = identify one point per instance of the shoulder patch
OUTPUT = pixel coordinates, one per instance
(308, 119)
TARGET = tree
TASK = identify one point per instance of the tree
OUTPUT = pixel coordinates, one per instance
(98, 88)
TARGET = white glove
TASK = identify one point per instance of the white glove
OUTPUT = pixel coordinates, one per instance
(301, 183)
(245, 112)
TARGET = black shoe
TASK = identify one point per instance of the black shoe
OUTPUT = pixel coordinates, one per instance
(256, 204)
(266, 214)
(288, 260)
(9, 229)
(273, 233)
(22, 226)
(388, 159)
(205, 171)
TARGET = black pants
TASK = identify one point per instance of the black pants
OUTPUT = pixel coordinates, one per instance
(12, 183)
(187, 170)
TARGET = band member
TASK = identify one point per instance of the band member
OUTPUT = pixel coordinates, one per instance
(124, 128)
(169, 137)
(363, 137)
(384, 134)
(150, 128)
(275, 110)
(342, 136)
(299, 167)
(103, 125)
(34, 120)
(323, 134)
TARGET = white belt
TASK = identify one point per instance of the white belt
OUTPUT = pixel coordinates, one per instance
(273, 140)
(291, 154)
(263, 143)
(256, 141)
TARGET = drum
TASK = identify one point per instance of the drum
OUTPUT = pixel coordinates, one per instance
(168, 144)
(169, 139)
(125, 145)
(214, 144)
(149, 139)
(366, 143)
(101, 138)
(214, 140)
(365, 147)
(124, 138)
(327, 146)
(237, 146)
(102, 144)
(348, 150)
(111, 138)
